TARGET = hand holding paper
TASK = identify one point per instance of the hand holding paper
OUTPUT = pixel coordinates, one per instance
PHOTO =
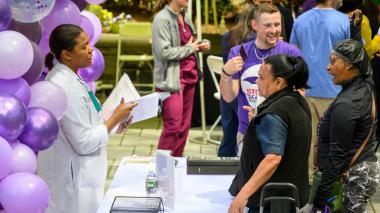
(121, 114)
(124, 125)
(147, 105)
(123, 111)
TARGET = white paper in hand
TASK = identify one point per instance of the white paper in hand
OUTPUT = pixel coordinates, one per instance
(147, 107)
(124, 89)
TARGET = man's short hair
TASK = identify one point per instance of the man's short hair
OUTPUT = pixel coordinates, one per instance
(265, 8)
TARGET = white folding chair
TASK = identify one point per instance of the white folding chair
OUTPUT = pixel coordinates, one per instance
(215, 65)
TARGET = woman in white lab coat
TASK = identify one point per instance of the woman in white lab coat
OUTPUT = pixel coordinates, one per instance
(75, 166)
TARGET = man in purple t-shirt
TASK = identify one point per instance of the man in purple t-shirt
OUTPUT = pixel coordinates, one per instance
(239, 75)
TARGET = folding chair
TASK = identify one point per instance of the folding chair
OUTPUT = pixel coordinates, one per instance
(140, 30)
(215, 65)
(280, 203)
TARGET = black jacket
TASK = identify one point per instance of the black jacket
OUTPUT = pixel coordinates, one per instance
(292, 108)
(342, 130)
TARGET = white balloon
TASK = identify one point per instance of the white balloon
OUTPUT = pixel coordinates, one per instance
(16, 54)
(28, 11)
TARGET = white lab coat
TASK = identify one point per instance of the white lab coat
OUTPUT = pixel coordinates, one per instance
(75, 167)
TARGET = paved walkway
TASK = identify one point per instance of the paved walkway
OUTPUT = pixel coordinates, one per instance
(141, 140)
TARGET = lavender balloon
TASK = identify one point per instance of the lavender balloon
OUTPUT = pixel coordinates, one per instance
(96, 24)
(16, 54)
(96, 69)
(43, 74)
(5, 15)
(65, 12)
(87, 26)
(13, 117)
(44, 45)
(34, 72)
(5, 158)
(41, 130)
(24, 192)
(49, 96)
(24, 159)
(32, 31)
(28, 11)
(95, 1)
(17, 87)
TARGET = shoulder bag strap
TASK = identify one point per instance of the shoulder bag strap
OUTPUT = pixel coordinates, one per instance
(361, 148)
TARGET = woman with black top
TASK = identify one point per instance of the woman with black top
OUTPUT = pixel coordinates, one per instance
(345, 126)
(275, 150)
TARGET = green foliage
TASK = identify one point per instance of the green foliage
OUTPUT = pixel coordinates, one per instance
(224, 6)
(106, 17)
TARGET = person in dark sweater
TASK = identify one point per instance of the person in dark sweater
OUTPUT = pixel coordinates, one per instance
(345, 126)
(275, 150)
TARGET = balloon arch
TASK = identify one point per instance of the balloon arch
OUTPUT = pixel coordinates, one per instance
(31, 107)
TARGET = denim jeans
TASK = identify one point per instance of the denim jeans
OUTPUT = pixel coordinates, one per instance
(230, 123)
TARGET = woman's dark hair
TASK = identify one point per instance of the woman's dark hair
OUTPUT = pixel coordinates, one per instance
(242, 31)
(293, 69)
(350, 5)
(62, 38)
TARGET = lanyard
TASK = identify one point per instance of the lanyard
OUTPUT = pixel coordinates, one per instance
(94, 101)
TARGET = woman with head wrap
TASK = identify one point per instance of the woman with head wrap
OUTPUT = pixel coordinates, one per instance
(346, 124)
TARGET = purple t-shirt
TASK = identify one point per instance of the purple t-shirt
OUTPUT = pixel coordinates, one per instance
(248, 92)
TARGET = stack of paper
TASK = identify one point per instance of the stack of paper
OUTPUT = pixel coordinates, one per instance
(146, 108)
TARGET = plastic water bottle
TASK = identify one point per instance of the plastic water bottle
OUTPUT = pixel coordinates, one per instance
(151, 183)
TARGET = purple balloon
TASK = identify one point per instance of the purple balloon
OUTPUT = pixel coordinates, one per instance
(5, 158)
(80, 3)
(5, 15)
(32, 31)
(16, 54)
(24, 159)
(65, 12)
(92, 86)
(34, 72)
(87, 26)
(44, 45)
(24, 192)
(43, 74)
(96, 24)
(13, 117)
(49, 96)
(17, 87)
(41, 129)
(95, 1)
(96, 69)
